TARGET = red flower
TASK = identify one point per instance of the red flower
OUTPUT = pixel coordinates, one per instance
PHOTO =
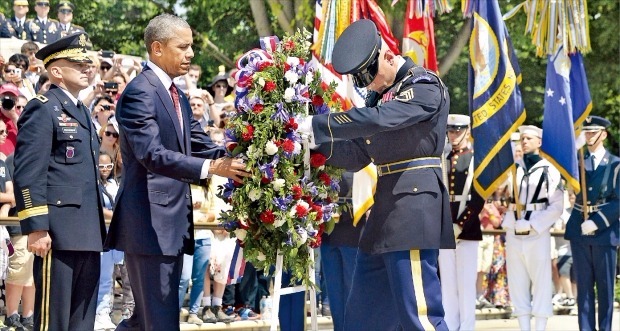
(324, 177)
(297, 192)
(317, 100)
(316, 242)
(305, 94)
(243, 225)
(258, 108)
(265, 180)
(290, 125)
(267, 217)
(248, 133)
(319, 212)
(301, 210)
(286, 67)
(231, 146)
(302, 61)
(269, 86)
(264, 65)
(317, 160)
(288, 145)
(288, 45)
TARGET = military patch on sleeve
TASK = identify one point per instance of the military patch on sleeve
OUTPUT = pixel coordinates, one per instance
(425, 77)
(41, 98)
(342, 119)
(405, 95)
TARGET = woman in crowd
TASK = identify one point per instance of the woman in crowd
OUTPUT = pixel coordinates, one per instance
(102, 110)
(20, 64)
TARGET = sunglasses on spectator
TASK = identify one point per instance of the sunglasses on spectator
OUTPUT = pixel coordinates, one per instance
(105, 67)
(221, 86)
(3, 132)
(43, 4)
(113, 134)
(113, 92)
(9, 71)
(106, 166)
(21, 65)
(65, 11)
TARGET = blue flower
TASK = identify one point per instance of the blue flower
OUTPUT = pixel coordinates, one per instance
(282, 202)
(267, 170)
(281, 114)
(322, 109)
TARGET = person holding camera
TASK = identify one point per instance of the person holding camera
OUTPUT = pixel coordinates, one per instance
(102, 110)
(8, 114)
(21, 64)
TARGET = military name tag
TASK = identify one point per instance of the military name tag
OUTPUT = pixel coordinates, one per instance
(72, 129)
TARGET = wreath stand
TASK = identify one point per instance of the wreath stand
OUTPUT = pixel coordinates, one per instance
(277, 286)
(279, 291)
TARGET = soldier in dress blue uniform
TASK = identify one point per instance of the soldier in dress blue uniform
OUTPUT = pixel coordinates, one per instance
(458, 267)
(56, 193)
(594, 241)
(338, 251)
(43, 29)
(65, 17)
(17, 26)
(403, 131)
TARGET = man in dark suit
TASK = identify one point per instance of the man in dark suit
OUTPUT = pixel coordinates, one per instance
(42, 28)
(594, 240)
(164, 150)
(58, 202)
(17, 26)
(402, 130)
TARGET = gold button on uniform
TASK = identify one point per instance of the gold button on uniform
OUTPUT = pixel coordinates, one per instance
(415, 189)
(58, 202)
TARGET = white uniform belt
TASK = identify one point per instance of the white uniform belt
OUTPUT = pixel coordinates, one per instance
(591, 209)
(529, 206)
(460, 197)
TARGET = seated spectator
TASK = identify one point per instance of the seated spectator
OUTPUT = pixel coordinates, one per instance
(8, 114)
(102, 109)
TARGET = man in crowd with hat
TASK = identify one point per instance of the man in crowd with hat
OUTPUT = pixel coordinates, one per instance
(56, 193)
(402, 130)
(593, 229)
(65, 17)
(458, 267)
(43, 29)
(538, 204)
(17, 26)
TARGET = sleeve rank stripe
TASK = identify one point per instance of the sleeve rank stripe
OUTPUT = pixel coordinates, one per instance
(31, 212)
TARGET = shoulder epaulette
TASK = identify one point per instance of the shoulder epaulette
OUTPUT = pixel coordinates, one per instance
(78, 27)
(41, 98)
(52, 20)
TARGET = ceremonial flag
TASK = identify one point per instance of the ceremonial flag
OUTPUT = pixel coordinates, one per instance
(419, 36)
(494, 97)
(567, 104)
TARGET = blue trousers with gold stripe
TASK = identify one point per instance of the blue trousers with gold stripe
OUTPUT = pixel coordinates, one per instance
(66, 285)
(404, 288)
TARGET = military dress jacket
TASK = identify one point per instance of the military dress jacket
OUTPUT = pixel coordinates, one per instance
(153, 213)
(603, 192)
(44, 33)
(460, 167)
(406, 121)
(56, 173)
(540, 195)
(72, 29)
(10, 29)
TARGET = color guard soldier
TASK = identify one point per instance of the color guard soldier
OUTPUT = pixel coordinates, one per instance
(44, 29)
(458, 267)
(402, 130)
(65, 17)
(539, 204)
(594, 242)
(56, 193)
(17, 26)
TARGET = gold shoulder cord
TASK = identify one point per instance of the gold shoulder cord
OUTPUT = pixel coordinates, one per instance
(331, 135)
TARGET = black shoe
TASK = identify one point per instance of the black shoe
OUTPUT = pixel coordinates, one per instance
(13, 321)
(28, 322)
(326, 311)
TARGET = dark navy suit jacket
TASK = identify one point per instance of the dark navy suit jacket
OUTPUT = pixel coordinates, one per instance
(153, 213)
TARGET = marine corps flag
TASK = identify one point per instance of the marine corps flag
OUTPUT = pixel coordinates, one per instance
(419, 36)
(567, 104)
(494, 96)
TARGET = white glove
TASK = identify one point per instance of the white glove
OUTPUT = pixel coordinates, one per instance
(457, 231)
(305, 129)
(588, 227)
(522, 226)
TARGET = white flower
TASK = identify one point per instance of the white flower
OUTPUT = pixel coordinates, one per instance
(278, 184)
(297, 148)
(240, 234)
(255, 194)
(292, 61)
(291, 76)
(261, 256)
(302, 236)
(289, 93)
(279, 222)
(261, 82)
(271, 148)
(309, 77)
(323, 196)
(242, 216)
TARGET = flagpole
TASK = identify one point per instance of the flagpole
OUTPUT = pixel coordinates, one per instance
(582, 182)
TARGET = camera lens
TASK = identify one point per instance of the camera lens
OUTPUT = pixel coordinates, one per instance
(105, 107)
(8, 103)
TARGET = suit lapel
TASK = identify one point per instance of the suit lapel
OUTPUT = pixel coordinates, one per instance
(165, 98)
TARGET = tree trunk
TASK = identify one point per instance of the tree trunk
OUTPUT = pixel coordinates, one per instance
(283, 21)
(259, 12)
(446, 62)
